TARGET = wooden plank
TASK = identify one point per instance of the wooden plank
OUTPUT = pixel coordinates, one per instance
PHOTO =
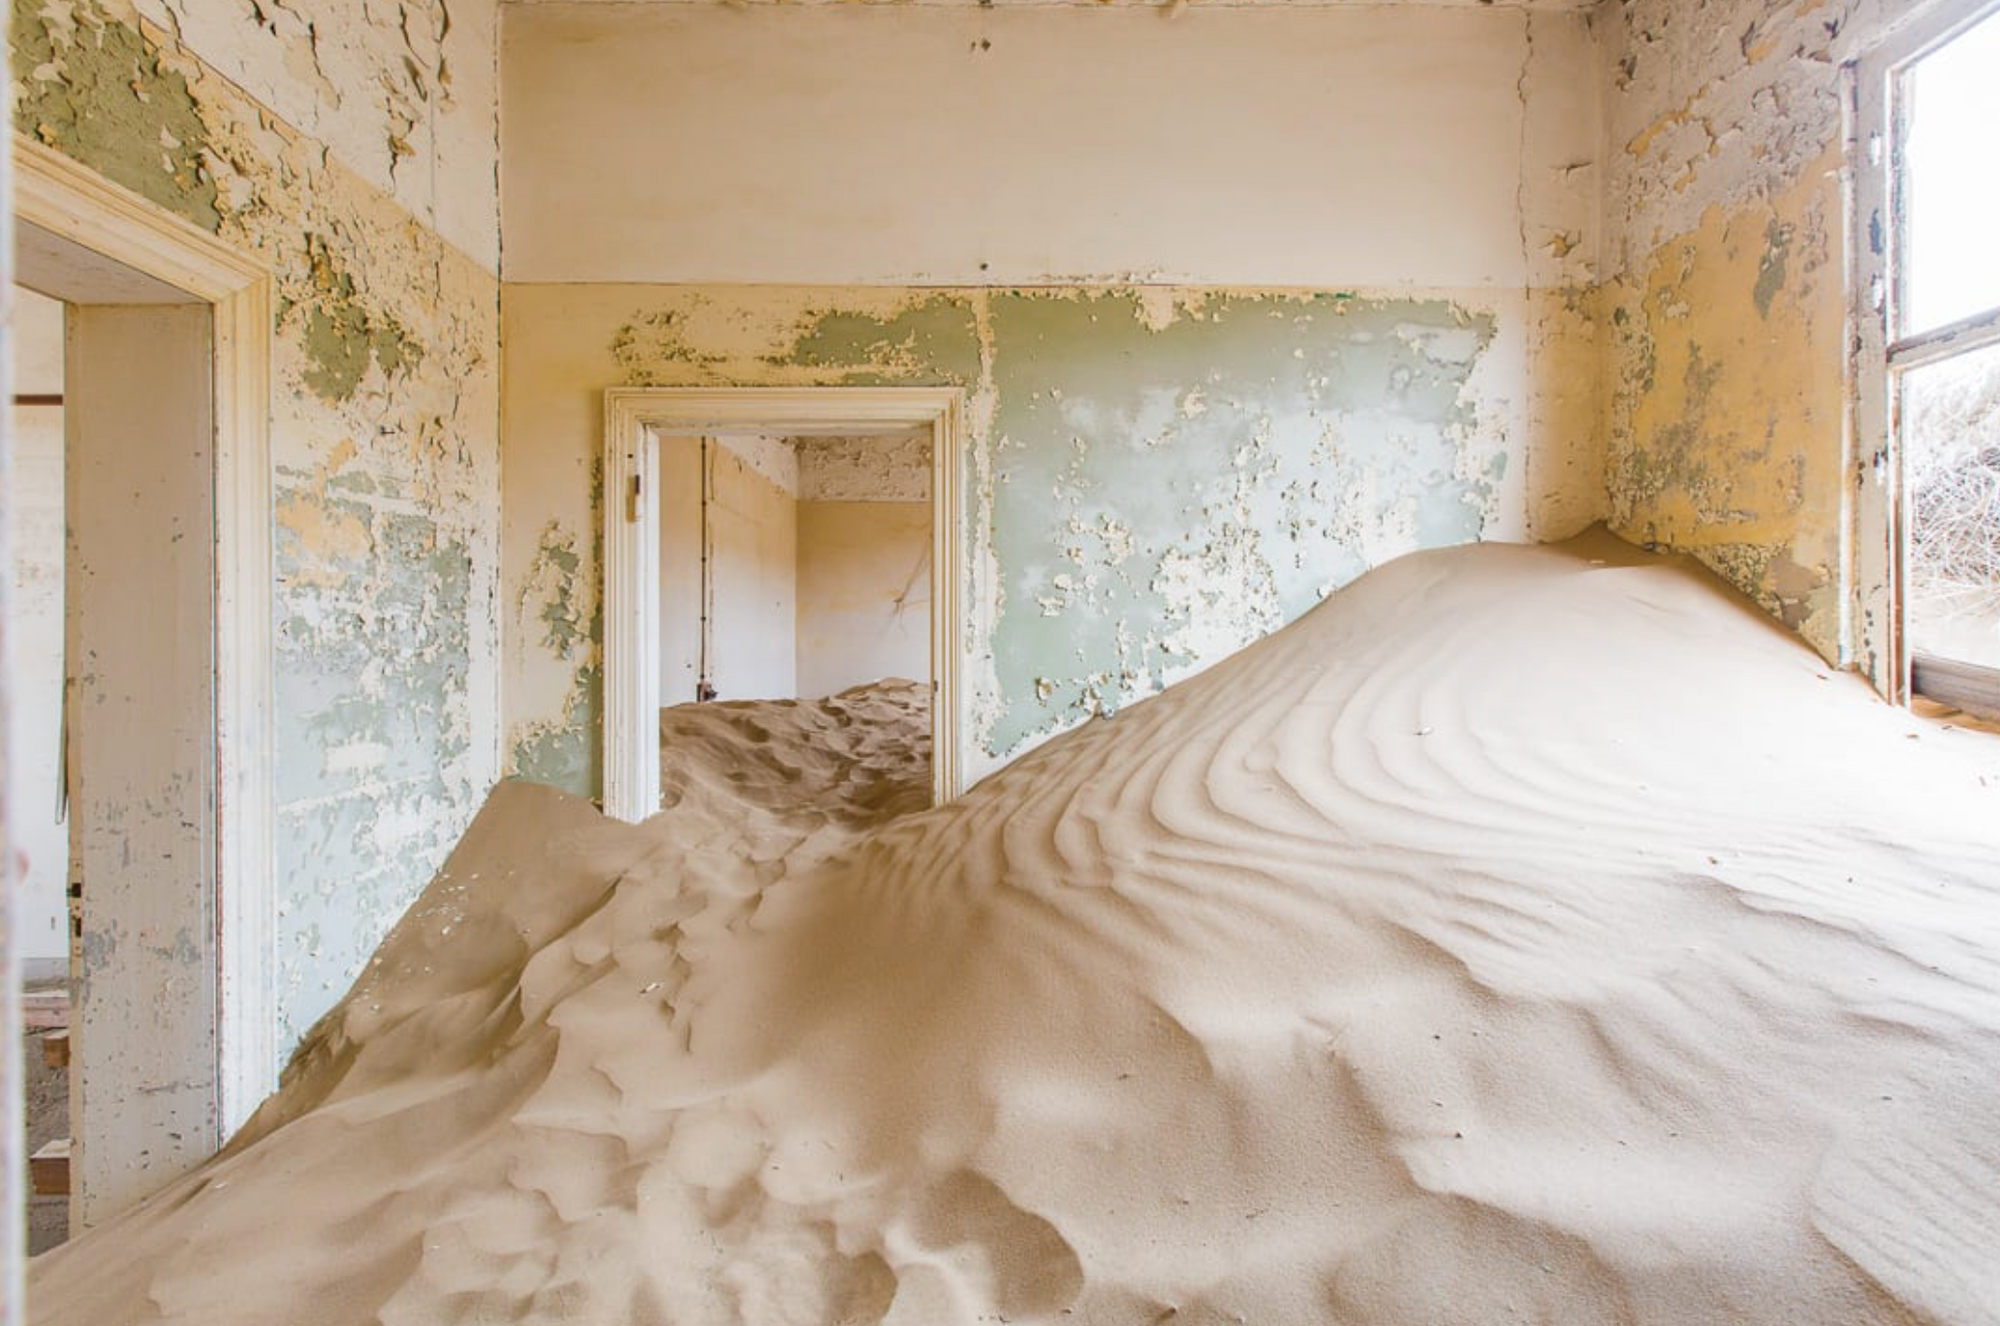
(55, 1049)
(49, 1169)
(45, 1008)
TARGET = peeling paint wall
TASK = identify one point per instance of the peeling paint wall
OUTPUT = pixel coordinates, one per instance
(351, 148)
(1153, 477)
(888, 468)
(1726, 300)
(1244, 300)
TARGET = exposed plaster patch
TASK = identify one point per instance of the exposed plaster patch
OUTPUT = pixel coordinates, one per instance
(563, 592)
(90, 85)
(342, 334)
(772, 457)
(1723, 102)
(1727, 400)
(556, 594)
(400, 92)
(323, 533)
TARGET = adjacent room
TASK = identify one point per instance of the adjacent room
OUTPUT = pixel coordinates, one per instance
(934, 661)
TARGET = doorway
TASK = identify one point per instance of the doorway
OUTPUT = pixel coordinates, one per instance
(157, 791)
(776, 544)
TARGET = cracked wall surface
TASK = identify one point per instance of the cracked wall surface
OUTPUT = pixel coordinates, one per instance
(351, 149)
(1726, 302)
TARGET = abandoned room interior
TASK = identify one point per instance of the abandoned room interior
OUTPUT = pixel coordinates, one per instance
(685, 662)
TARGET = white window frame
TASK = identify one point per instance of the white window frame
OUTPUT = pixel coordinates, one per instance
(1879, 518)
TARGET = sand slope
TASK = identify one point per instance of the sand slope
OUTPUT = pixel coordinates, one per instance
(1515, 939)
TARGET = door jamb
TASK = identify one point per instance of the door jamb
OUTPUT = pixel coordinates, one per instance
(634, 417)
(70, 200)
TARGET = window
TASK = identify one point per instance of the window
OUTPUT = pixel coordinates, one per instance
(1926, 114)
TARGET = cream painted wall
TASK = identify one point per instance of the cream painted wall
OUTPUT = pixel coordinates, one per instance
(1387, 147)
(753, 540)
(36, 625)
(753, 547)
(864, 596)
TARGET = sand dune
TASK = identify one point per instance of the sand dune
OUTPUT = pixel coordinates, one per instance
(1522, 936)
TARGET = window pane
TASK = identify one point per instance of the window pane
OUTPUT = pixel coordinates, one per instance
(1952, 181)
(1951, 471)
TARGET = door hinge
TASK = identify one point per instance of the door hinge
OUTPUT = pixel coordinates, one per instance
(632, 501)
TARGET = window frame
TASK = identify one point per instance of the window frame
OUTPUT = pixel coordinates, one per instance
(1879, 516)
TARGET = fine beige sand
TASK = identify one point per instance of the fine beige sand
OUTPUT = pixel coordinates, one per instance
(1523, 936)
(852, 759)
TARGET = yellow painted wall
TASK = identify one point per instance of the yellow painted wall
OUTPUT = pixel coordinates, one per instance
(1727, 398)
(1726, 303)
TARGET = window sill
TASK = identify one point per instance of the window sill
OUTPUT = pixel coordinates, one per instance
(1974, 689)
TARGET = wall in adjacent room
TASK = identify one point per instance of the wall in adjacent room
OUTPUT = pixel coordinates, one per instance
(753, 562)
(864, 560)
(864, 594)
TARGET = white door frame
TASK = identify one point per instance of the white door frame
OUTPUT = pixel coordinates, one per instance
(70, 200)
(634, 419)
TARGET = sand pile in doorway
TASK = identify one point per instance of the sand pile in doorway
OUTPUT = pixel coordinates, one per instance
(1515, 938)
(855, 758)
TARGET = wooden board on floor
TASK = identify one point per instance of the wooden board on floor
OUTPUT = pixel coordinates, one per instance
(49, 1169)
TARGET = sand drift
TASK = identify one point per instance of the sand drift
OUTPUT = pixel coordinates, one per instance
(1517, 938)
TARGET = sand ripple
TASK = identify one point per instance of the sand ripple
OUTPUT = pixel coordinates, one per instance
(1525, 935)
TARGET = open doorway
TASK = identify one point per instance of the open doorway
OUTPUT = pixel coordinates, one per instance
(779, 545)
(144, 762)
